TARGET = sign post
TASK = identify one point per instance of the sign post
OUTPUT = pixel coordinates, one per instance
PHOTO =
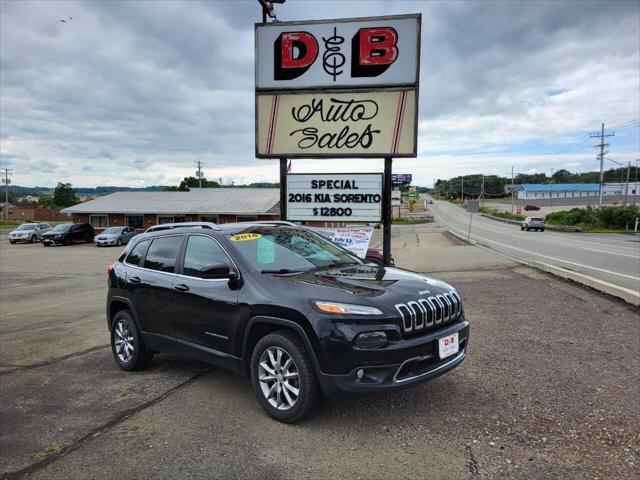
(342, 88)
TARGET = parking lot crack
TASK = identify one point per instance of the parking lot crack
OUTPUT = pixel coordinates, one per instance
(96, 432)
(472, 463)
(19, 368)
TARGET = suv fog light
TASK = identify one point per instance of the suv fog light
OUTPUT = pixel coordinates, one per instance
(369, 340)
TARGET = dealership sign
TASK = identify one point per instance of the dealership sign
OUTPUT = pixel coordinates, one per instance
(343, 53)
(337, 88)
(377, 123)
(334, 197)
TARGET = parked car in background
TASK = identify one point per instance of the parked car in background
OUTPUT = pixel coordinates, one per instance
(529, 208)
(29, 232)
(376, 256)
(68, 233)
(532, 223)
(115, 236)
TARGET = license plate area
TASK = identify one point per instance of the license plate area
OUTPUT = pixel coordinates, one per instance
(448, 346)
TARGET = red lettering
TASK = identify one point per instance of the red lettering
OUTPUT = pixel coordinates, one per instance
(373, 50)
(294, 53)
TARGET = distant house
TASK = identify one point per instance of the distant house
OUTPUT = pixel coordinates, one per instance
(614, 191)
(535, 191)
(141, 210)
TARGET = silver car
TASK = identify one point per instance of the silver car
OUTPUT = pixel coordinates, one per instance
(532, 223)
(29, 232)
(115, 236)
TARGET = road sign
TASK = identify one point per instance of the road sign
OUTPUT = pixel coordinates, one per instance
(473, 206)
(347, 197)
(340, 53)
(348, 124)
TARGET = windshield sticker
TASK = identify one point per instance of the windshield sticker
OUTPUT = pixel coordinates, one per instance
(266, 251)
(242, 237)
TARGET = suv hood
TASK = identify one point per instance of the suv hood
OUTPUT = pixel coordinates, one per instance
(369, 284)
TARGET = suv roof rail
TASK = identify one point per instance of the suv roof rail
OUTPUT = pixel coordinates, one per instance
(273, 222)
(170, 226)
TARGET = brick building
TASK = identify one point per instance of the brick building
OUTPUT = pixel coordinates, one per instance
(144, 209)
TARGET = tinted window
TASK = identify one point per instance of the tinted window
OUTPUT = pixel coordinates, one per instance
(202, 251)
(162, 254)
(136, 253)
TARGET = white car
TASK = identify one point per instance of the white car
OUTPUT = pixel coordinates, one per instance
(29, 232)
(532, 223)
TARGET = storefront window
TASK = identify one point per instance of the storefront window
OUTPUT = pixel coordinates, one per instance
(134, 221)
(98, 221)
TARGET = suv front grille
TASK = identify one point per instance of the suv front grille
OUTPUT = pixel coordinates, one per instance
(426, 313)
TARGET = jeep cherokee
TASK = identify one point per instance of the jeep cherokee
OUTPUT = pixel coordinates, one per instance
(299, 315)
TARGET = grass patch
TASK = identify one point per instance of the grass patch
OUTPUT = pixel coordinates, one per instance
(409, 221)
(502, 214)
(615, 218)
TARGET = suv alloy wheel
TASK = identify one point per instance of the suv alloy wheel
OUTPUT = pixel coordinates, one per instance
(283, 377)
(126, 344)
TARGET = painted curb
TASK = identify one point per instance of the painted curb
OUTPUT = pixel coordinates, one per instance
(629, 296)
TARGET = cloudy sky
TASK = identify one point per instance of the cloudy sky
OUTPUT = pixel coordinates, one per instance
(132, 92)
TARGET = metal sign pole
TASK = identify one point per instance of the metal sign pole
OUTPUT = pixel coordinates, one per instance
(386, 212)
(283, 188)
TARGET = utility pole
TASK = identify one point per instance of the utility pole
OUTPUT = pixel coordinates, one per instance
(551, 190)
(462, 191)
(199, 172)
(601, 155)
(512, 190)
(636, 183)
(6, 182)
(482, 192)
(626, 189)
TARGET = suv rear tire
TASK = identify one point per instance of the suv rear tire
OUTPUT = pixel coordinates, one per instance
(277, 381)
(127, 347)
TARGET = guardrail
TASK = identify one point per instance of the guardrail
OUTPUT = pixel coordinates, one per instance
(555, 228)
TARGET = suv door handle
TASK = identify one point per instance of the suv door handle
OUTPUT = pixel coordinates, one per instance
(181, 287)
(135, 280)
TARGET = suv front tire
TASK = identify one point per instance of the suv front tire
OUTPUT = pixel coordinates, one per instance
(127, 347)
(283, 377)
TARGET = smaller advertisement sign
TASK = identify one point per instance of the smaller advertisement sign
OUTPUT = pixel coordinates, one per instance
(403, 178)
(354, 239)
(342, 197)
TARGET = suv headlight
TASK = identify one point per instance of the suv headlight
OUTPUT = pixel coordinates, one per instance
(346, 308)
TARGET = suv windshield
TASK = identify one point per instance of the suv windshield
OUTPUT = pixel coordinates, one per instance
(113, 230)
(284, 250)
(63, 227)
(27, 226)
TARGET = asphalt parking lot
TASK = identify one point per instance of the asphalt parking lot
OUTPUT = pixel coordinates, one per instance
(549, 390)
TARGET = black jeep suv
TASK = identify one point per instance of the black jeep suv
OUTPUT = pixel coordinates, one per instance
(298, 314)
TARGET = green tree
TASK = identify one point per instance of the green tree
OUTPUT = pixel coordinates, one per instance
(563, 176)
(64, 195)
(46, 201)
(189, 183)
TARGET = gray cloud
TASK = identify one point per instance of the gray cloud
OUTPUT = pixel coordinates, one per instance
(132, 92)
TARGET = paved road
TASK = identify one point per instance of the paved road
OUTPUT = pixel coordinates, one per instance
(614, 258)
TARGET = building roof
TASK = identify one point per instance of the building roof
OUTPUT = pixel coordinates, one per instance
(239, 201)
(570, 187)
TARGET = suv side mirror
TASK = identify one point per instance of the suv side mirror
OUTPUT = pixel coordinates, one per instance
(217, 270)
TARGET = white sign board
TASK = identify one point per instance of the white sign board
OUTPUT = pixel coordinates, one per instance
(341, 53)
(345, 124)
(354, 239)
(343, 197)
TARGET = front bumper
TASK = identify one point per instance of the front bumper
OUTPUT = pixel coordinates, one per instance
(418, 365)
(106, 243)
(51, 241)
(19, 239)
